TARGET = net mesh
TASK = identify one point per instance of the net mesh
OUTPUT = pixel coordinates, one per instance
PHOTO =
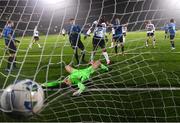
(143, 85)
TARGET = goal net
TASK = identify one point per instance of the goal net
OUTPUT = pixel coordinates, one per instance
(143, 85)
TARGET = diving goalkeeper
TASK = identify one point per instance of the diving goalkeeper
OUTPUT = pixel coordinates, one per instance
(77, 77)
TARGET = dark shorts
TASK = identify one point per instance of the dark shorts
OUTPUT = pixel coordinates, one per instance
(124, 33)
(77, 44)
(36, 38)
(98, 42)
(12, 47)
(118, 39)
(172, 37)
(6, 42)
(150, 34)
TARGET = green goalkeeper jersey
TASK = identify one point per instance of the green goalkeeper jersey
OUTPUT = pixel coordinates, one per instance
(77, 77)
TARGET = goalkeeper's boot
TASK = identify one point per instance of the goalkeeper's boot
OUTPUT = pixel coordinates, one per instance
(103, 67)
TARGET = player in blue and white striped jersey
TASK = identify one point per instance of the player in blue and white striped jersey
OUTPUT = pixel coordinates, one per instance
(172, 32)
(74, 33)
(118, 36)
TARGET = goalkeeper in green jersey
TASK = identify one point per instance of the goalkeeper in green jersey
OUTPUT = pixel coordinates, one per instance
(77, 77)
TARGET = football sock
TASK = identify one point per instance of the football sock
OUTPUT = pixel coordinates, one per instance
(122, 48)
(92, 56)
(76, 56)
(10, 60)
(106, 56)
(116, 49)
(39, 45)
(14, 62)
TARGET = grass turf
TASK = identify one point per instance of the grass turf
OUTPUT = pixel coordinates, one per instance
(141, 67)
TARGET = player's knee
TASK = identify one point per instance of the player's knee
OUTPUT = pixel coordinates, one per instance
(104, 49)
(83, 51)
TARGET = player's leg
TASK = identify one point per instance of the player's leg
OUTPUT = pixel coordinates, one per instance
(122, 44)
(83, 52)
(172, 41)
(147, 40)
(74, 43)
(112, 42)
(154, 40)
(30, 46)
(37, 41)
(116, 45)
(6, 46)
(95, 46)
(76, 54)
(104, 51)
(11, 59)
(165, 36)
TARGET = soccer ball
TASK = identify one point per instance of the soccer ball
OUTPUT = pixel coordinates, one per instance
(23, 98)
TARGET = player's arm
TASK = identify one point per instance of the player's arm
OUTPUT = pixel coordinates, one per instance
(81, 87)
(154, 29)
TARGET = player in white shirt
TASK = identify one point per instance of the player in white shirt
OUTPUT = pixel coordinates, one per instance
(35, 38)
(150, 33)
(99, 39)
(124, 30)
(63, 32)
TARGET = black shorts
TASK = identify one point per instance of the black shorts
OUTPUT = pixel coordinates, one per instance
(98, 42)
(12, 47)
(124, 34)
(36, 38)
(118, 39)
(77, 44)
(150, 34)
(172, 37)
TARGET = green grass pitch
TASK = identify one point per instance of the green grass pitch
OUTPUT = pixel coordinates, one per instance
(140, 68)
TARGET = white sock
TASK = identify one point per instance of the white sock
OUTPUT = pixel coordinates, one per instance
(112, 44)
(92, 56)
(39, 45)
(124, 39)
(30, 46)
(106, 56)
(154, 43)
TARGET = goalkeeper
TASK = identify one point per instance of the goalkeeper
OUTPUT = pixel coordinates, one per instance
(77, 77)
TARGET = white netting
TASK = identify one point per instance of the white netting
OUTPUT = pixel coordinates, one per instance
(143, 85)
